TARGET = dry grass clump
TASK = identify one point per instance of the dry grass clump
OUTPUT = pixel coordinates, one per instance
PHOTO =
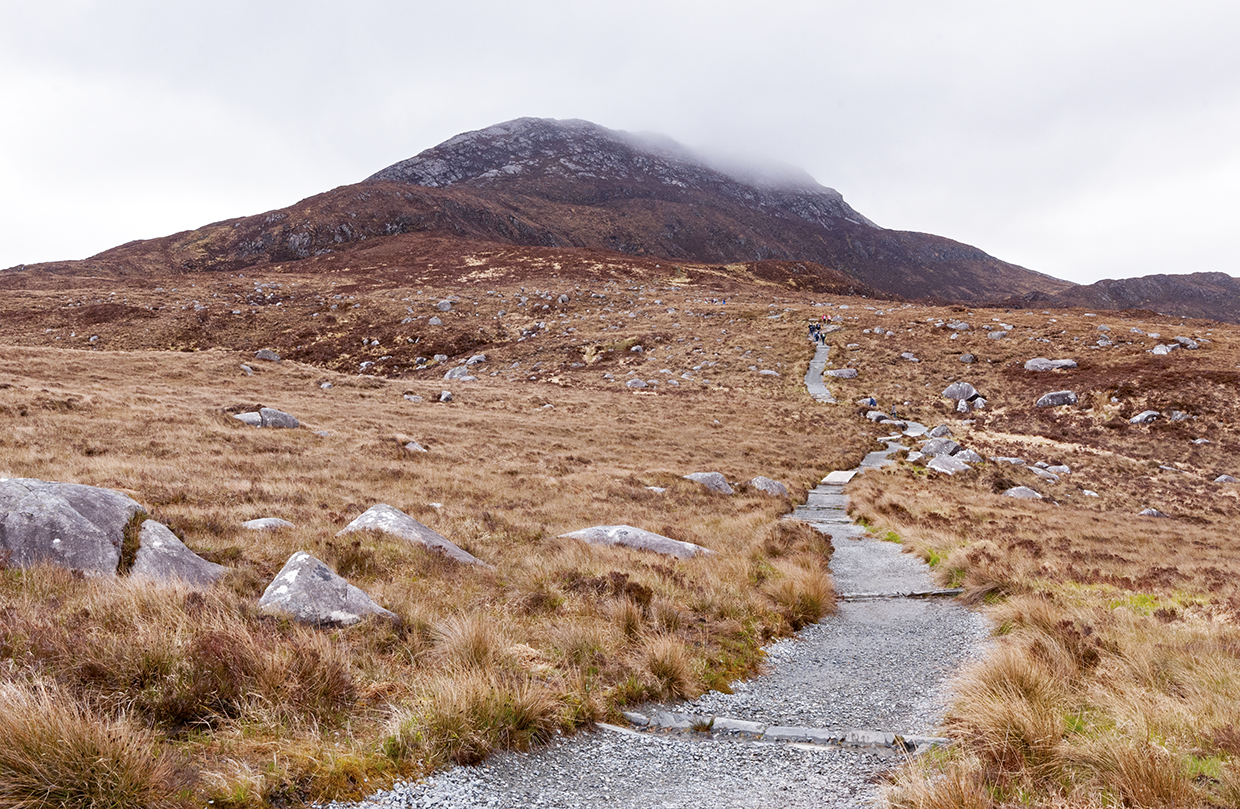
(668, 661)
(56, 753)
(802, 590)
(463, 716)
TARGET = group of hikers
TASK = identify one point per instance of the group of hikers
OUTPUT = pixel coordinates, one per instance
(816, 334)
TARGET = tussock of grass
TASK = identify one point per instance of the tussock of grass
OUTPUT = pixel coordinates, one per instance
(55, 753)
(803, 592)
(665, 658)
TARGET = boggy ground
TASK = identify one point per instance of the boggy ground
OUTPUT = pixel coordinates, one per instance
(1110, 613)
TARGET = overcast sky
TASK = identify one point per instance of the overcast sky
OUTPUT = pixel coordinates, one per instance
(1085, 140)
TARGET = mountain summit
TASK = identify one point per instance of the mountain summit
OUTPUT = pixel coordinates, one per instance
(581, 162)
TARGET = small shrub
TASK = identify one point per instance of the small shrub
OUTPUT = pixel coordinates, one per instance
(669, 662)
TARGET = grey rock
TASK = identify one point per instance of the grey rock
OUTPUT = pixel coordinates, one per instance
(714, 481)
(997, 335)
(394, 522)
(910, 356)
(968, 359)
(1043, 364)
(959, 390)
(629, 537)
(460, 372)
(962, 406)
(1059, 469)
(1057, 398)
(163, 558)
(947, 465)
(1201, 441)
(1225, 479)
(771, 487)
(1042, 473)
(942, 431)
(979, 403)
(440, 357)
(444, 306)
(562, 299)
(411, 397)
(936, 447)
(914, 456)
(967, 456)
(1089, 493)
(1188, 343)
(252, 419)
(1008, 459)
(1144, 417)
(435, 321)
(270, 417)
(1163, 350)
(414, 446)
(63, 524)
(1152, 512)
(307, 591)
(1023, 493)
(476, 359)
(782, 733)
(445, 395)
(266, 355)
(1041, 464)
(1179, 415)
(635, 718)
(267, 524)
(843, 373)
(247, 369)
(636, 383)
(768, 372)
(958, 325)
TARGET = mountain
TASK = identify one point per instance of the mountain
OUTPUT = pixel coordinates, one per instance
(540, 183)
(1210, 295)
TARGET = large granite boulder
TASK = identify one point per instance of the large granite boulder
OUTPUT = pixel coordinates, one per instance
(959, 390)
(1022, 493)
(267, 524)
(64, 524)
(771, 487)
(937, 447)
(165, 559)
(630, 537)
(1043, 364)
(1056, 398)
(308, 591)
(393, 521)
(270, 417)
(947, 465)
(715, 481)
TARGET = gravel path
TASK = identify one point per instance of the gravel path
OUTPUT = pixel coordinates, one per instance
(877, 664)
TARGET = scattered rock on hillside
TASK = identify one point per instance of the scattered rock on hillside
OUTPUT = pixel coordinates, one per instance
(414, 446)
(942, 431)
(393, 521)
(630, 537)
(947, 465)
(163, 558)
(1162, 350)
(843, 373)
(1023, 493)
(1144, 417)
(444, 306)
(445, 395)
(1059, 469)
(460, 373)
(997, 335)
(247, 369)
(308, 591)
(267, 524)
(1151, 512)
(910, 356)
(476, 359)
(968, 456)
(714, 481)
(636, 383)
(968, 359)
(959, 390)
(252, 419)
(435, 321)
(1057, 398)
(266, 355)
(63, 524)
(936, 447)
(768, 372)
(1225, 479)
(1043, 364)
(1188, 343)
(1008, 459)
(771, 487)
(1042, 473)
(270, 417)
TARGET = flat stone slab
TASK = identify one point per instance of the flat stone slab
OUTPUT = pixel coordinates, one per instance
(393, 521)
(730, 725)
(308, 591)
(63, 524)
(163, 558)
(840, 477)
(267, 524)
(629, 537)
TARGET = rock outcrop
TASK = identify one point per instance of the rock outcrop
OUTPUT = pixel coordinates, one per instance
(64, 524)
(629, 537)
(163, 558)
(308, 591)
(393, 521)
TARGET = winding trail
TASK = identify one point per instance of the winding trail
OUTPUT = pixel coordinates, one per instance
(864, 685)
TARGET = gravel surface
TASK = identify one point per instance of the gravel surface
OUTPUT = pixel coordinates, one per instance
(876, 665)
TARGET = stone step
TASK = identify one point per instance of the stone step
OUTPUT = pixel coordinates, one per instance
(946, 592)
(682, 722)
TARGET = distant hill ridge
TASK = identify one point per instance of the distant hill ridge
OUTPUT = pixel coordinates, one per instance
(544, 183)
